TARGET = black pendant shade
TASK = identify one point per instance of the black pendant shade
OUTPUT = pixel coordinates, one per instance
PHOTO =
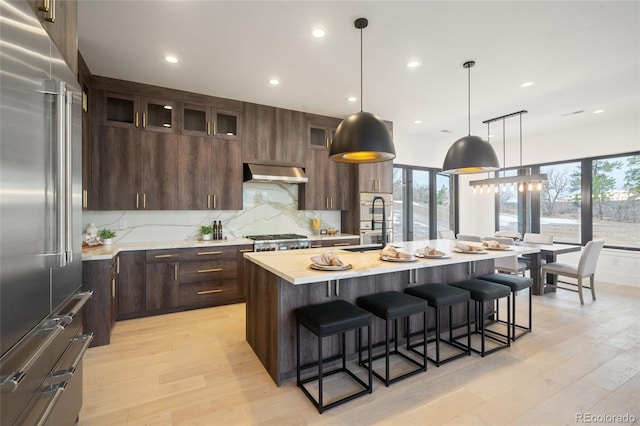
(470, 154)
(362, 138)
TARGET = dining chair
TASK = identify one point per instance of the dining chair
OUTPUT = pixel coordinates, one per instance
(471, 238)
(512, 264)
(586, 268)
(538, 238)
(446, 235)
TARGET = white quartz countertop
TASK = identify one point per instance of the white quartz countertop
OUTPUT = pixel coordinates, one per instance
(107, 252)
(295, 266)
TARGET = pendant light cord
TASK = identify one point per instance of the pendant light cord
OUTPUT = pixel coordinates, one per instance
(504, 150)
(520, 140)
(469, 99)
(361, 91)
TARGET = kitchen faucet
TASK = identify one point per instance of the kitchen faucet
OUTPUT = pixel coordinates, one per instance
(384, 219)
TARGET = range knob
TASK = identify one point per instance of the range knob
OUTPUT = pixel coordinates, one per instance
(272, 249)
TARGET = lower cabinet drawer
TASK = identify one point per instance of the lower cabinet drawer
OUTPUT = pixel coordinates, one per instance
(208, 293)
(193, 272)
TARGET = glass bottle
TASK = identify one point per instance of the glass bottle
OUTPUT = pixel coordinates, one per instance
(219, 230)
(215, 230)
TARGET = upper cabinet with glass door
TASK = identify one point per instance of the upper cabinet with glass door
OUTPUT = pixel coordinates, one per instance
(321, 131)
(203, 120)
(135, 112)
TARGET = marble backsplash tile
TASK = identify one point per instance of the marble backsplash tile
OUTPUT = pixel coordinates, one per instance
(268, 208)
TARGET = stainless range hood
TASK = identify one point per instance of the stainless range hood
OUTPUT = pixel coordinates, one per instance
(275, 174)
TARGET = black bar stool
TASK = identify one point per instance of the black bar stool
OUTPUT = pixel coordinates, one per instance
(515, 283)
(327, 319)
(484, 291)
(390, 306)
(440, 296)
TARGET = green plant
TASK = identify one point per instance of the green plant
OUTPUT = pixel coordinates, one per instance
(206, 229)
(106, 234)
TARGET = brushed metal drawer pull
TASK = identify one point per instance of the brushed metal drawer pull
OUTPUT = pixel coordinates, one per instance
(342, 244)
(245, 250)
(209, 292)
(203, 271)
(160, 256)
(204, 253)
(316, 245)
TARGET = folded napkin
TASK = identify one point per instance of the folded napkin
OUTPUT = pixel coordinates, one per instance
(494, 244)
(469, 247)
(391, 251)
(327, 259)
(429, 251)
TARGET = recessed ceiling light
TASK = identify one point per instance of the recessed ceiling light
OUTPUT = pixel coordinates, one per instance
(445, 131)
(318, 33)
(352, 99)
(274, 82)
(413, 63)
(491, 136)
(171, 59)
(527, 84)
(167, 125)
(417, 122)
(598, 111)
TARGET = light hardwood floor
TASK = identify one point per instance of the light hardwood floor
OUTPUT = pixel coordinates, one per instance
(195, 368)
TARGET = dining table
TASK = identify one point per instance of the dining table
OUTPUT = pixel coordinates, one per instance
(548, 253)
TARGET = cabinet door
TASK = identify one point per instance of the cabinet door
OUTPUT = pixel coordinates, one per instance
(313, 194)
(289, 145)
(96, 276)
(120, 110)
(162, 290)
(159, 115)
(115, 168)
(258, 130)
(159, 171)
(114, 290)
(338, 185)
(64, 28)
(376, 177)
(195, 173)
(341, 242)
(227, 124)
(227, 175)
(242, 285)
(131, 283)
(196, 120)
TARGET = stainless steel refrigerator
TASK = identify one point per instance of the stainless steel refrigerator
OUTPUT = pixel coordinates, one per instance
(41, 340)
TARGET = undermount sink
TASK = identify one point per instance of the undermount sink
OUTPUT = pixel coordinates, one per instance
(357, 249)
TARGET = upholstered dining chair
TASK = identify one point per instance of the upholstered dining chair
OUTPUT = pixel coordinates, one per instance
(586, 268)
(446, 235)
(538, 238)
(471, 238)
(512, 264)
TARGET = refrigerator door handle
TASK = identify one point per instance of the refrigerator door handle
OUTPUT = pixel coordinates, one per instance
(68, 243)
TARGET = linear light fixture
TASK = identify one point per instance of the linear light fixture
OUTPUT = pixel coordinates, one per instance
(530, 182)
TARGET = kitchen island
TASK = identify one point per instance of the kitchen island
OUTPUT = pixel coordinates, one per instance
(279, 282)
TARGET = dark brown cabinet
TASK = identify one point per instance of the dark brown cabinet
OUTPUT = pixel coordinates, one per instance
(159, 189)
(208, 276)
(84, 78)
(375, 177)
(100, 276)
(162, 291)
(209, 174)
(242, 285)
(131, 284)
(273, 135)
(209, 120)
(335, 242)
(60, 19)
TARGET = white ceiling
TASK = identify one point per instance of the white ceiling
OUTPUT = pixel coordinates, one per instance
(582, 55)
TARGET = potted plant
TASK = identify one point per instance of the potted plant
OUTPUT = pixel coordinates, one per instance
(206, 232)
(106, 236)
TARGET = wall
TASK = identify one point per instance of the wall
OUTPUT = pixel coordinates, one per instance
(267, 209)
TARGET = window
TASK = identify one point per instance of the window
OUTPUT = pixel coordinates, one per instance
(508, 206)
(560, 202)
(443, 200)
(420, 194)
(421, 202)
(398, 201)
(616, 200)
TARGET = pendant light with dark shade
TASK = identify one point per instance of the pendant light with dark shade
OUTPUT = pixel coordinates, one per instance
(470, 154)
(362, 137)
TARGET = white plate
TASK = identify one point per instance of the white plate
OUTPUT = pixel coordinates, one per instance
(398, 259)
(330, 267)
(429, 256)
(499, 248)
(456, 249)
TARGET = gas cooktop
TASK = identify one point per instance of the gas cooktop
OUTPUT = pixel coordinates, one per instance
(275, 237)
